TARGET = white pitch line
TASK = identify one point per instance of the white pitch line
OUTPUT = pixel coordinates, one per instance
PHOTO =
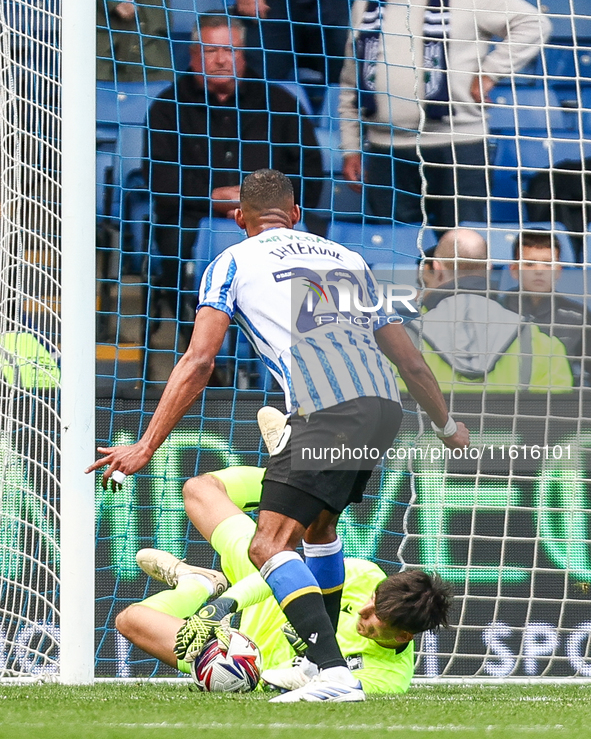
(335, 727)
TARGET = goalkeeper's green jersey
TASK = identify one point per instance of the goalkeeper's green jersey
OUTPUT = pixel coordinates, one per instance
(380, 670)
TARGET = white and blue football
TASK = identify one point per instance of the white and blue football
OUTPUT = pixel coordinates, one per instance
(233, 670)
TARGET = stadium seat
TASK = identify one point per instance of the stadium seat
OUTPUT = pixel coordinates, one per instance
(560, 13)
(215, 235)
(126, 102)
(525, 108)
(585, 106)
(181, 43)
(107, 120)
(565, 65)
(501, 236)
(383, 243)
(121, 116)
(516, 160)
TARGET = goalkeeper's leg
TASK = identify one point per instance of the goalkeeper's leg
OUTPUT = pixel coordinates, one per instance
(153, 624)
(214, 503)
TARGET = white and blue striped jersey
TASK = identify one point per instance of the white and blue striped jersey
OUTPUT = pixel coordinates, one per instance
(298, 298)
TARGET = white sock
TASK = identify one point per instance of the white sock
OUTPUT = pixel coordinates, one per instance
(340, 675)
(200, 578)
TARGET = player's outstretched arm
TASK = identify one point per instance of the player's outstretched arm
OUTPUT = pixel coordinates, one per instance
(420, 381)
(187, 380)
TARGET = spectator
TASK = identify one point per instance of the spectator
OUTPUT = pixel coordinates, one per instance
(536, 268)
(406, 94)
(206, 132)
(470, 341)
(426, 276)
(132, 37)
(290, 34)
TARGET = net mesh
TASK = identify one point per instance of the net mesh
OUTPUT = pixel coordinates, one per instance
(509, 527)
(29, 339)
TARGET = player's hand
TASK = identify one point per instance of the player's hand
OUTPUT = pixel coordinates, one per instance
(460, 439)
(126, 459)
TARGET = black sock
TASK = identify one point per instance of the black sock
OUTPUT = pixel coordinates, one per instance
(307, 615)
(332, 603)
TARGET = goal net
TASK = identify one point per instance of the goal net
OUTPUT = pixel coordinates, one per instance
(46, 296)
(506, 522)
(29, 341)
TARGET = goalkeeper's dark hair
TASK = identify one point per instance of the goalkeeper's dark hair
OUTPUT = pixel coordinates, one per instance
(414, 601)
(265, 189)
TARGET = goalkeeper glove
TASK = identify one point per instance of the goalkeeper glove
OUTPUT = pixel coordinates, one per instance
(211, 620)
(298, 645)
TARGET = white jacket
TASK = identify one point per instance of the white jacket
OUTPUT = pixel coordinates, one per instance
(400, 69)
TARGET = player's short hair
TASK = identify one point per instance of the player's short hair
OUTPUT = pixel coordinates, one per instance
(217, 19)
(539, 239)
(266, 188)
(414, 601)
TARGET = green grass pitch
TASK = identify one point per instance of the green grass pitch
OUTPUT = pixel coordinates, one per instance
(165, 711)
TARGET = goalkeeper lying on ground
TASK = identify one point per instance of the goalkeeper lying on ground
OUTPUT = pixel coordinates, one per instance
(379, 615)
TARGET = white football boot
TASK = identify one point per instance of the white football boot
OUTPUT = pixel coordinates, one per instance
(165, 567)
(334, 685)
(272, 425)
(291, 678)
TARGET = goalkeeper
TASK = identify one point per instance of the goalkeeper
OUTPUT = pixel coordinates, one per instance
(379, 615)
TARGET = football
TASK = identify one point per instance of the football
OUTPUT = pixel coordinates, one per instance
(235, 670)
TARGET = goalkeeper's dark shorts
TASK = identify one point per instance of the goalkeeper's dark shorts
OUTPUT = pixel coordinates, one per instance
(326, 459)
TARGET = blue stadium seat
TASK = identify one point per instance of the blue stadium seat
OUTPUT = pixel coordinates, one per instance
(126, 102)
(383, 243)
(525, 108)
(121, 118)
(501, 236)
(565, 65)
(107, 119)
(123, 103)
(516, 160)
(560, 13)
(215, 235)
(181, 43)
(126, 167)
